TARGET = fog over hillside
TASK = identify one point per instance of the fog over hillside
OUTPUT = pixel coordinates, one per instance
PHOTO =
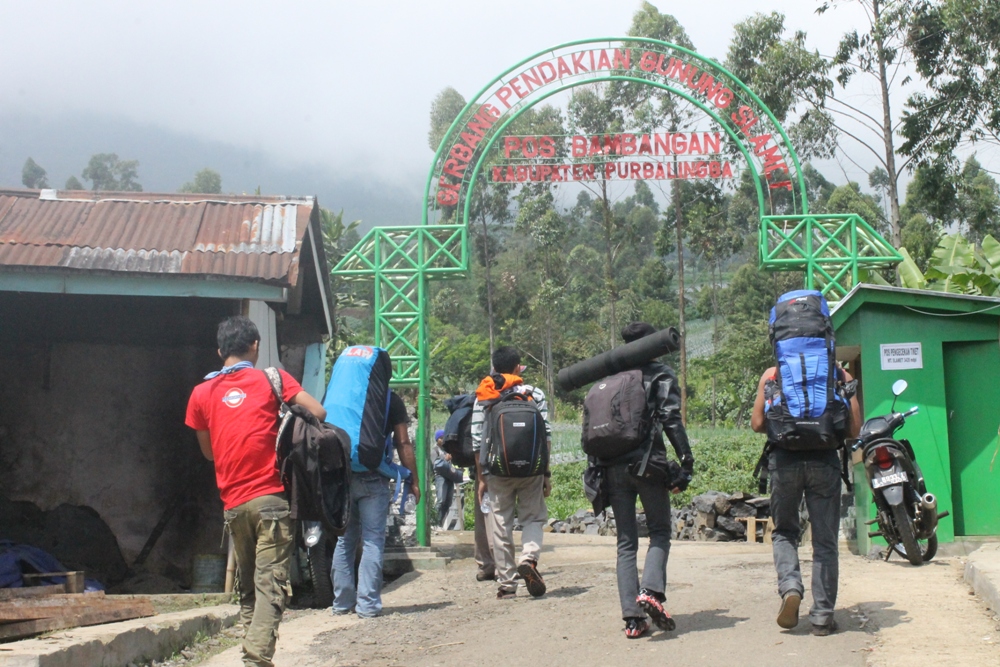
(64, 144)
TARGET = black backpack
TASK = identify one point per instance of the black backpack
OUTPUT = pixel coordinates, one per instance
(458, 431)
(314, 462)
(616, 416)
(515, 443)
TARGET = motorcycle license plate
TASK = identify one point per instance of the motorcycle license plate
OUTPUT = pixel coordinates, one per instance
(889, 480)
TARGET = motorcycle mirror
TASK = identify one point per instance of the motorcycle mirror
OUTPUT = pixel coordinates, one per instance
(898, 387)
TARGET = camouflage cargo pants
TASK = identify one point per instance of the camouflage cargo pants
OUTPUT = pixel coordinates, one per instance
(262, 539)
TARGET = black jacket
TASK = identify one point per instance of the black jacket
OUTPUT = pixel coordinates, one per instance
(665, 410)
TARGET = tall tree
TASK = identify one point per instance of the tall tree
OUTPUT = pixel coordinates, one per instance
(956, 49)
(33, 176)
(879, 51)
(73, 183)
(106, 172)
(790, 79)
(206, 181)
(651, 108)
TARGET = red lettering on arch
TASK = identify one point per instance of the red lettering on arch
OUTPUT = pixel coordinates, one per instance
(578, 65)
(454, 168)
(603, 62)
(547, 71)
(563, 68)
(623, 59)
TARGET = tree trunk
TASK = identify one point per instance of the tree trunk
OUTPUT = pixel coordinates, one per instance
(609, 264)
(890, 152)
(715, 338)
(550, 379)
(678, 223)
(489, 280)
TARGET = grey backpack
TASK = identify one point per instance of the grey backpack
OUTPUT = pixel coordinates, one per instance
(616, 417)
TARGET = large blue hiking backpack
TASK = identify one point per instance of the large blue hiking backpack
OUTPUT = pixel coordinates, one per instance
(803, 409)
(357, 400)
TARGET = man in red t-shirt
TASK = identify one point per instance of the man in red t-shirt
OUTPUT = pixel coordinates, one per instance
(235, 414)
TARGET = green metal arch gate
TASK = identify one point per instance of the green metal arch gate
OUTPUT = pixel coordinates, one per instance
(832, 250)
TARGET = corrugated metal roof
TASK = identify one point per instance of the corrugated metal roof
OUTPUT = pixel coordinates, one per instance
(256, 238)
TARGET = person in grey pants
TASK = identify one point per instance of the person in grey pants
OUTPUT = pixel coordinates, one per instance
(624, 488)
(814, 475)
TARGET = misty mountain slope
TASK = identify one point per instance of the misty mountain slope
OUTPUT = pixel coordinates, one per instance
(167, 159)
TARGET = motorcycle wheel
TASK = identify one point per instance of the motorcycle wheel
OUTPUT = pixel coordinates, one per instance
(931, 549)
(320, 563)
(904, 527)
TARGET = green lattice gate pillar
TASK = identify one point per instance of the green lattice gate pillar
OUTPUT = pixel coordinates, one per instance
(400, 261)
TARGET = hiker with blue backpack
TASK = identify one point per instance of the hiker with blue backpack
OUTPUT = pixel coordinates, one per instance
(806, 405)
(359, 400)
(511, 434)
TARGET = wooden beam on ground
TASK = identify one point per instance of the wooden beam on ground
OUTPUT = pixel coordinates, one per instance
(77, 617)
(31, 592)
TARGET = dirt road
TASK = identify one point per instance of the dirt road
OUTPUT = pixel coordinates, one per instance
(722, 596)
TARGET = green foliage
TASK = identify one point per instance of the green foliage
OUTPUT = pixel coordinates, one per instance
(106, 172)
(920, 237)
(849, 199)
(338, 239)
(444, 109)
(782, 72)
(956, 50)
(956, 266)
(724, 461)
(73, 183)
(206, 181)
(33, 175)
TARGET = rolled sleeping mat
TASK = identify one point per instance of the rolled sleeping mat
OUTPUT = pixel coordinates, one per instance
(630, 355)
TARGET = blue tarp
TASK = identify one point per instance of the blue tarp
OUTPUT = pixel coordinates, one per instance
(17, 560)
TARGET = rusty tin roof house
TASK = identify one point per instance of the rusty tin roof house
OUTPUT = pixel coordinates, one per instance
(108, 308)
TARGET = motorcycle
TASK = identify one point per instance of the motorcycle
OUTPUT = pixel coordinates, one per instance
(906, 513)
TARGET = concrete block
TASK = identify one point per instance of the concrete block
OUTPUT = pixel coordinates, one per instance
(982, 572)
(116, 644)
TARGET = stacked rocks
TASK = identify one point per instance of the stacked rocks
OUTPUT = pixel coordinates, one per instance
(714, 516)
(711, 517)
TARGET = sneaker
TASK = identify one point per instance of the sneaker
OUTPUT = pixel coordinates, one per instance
(636, 627)
(532, 579)
(652, 603)
(825, 630)
(788, 615)
(506, 594)
(486, 576)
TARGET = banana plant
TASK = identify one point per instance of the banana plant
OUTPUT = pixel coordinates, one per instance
(957, 267)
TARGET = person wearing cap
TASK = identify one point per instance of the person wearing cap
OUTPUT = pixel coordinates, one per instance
(625, 487)
(446, 476)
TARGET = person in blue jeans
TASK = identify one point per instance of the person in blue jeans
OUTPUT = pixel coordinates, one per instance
(370, 495)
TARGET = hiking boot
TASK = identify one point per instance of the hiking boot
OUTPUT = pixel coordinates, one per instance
(636, 627)
(825, 630)
(506, 594)
(652, 603)
(532, 580)
(486, 576)
(788, 615)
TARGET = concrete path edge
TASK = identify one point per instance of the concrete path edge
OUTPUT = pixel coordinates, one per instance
(982, 572)
(117, 644)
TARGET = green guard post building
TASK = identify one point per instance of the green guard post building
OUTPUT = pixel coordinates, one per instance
(947, 347)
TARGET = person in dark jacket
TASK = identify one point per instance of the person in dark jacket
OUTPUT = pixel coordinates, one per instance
(624, 488)
(446, 476)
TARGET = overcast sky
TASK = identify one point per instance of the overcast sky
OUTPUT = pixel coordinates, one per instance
(345, 84)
